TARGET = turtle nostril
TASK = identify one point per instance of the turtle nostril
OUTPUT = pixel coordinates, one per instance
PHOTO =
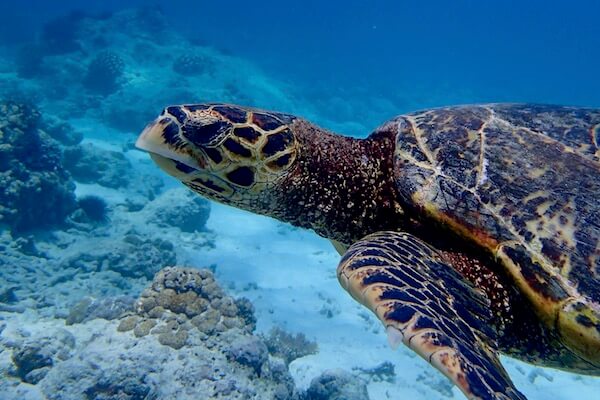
(202, 134)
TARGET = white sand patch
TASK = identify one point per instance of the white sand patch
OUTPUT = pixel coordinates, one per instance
(294, 271)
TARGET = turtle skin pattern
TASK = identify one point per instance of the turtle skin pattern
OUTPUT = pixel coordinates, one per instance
(435, 312)
(522, 182)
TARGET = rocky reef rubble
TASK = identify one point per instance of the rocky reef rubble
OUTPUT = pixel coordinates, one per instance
(88, 163)
(178, 207)
(184, 338)
(52, 271)
(337, 385)
(289, 346)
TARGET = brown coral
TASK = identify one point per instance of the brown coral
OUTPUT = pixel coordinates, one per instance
(180, 300)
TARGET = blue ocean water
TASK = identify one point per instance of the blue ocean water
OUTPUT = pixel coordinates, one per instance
(88, 222)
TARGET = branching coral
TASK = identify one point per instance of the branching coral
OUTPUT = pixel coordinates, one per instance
(288, 346)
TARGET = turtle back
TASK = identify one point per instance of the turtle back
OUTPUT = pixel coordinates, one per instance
(523, 182)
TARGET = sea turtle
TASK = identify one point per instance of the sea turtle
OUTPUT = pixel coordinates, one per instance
(469, 231)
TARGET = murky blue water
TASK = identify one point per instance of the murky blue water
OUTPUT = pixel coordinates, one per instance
(88, 220)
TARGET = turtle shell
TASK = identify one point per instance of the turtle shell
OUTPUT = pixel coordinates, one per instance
(523, 183)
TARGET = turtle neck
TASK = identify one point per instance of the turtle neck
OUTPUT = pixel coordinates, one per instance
(341, 187)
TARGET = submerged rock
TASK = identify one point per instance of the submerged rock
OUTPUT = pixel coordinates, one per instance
(132, 257)
(249, 351)
(179, 208)
(288, 346)
(107, 308)
(90, 164)
(31, 358)
(35, 357)
(92, 209)
(337, 385)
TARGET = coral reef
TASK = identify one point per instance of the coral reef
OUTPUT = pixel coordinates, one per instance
(62, 131)
(181, 299)
(288, 346)
(144, 355)
(337, 385)
(246, 312)
(94, 207)
(88, 163)
(35, 190)
(180, 208)
(104, 72)
(191, 64)
(122, 68)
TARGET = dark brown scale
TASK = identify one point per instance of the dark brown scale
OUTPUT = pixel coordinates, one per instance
(203, 134)
(176, 112)
(280, 162)
(277, 142)
(237, 148)
(184, 168)
(207, 183)
(171, 136)
(213, 154)
(243, 176)
(265, 121)
(536, 276)
(247, 133)
(233, 114)
(197, 107)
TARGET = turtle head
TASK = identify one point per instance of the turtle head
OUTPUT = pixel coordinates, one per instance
(227, 153)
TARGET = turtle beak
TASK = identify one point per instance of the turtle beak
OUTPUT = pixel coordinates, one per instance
(157, 139)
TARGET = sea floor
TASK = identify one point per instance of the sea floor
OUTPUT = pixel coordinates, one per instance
(295, 273)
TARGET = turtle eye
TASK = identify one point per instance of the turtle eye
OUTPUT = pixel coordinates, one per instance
(202, 134)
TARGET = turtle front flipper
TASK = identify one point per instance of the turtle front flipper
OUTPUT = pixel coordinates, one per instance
(424, 303)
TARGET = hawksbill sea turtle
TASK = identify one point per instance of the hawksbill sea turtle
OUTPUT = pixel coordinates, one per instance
(469, 231)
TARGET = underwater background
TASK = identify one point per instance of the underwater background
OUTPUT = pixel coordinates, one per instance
(253, 309)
